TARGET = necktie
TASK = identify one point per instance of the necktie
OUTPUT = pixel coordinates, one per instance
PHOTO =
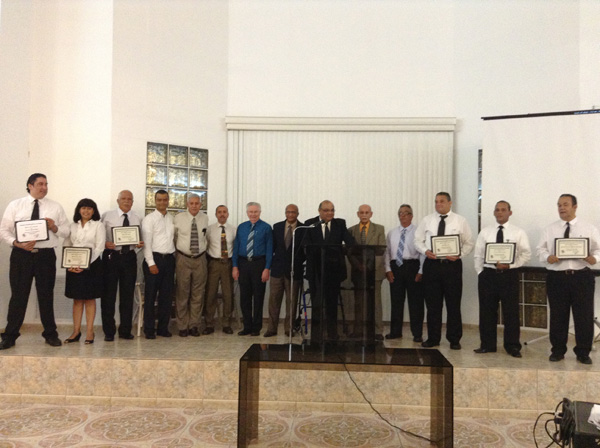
(126, 248)
(400, 251)
(224, 250)
(500, 235)
(250, 243)
(442, 226)
(194, 245)
(363, 235)
(567, 230)
(288, 236)
(326, 231)
(35, 214)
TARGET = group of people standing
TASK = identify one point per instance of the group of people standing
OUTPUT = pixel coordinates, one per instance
(203, 257)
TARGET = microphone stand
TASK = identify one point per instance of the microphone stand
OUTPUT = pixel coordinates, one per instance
(292, 314)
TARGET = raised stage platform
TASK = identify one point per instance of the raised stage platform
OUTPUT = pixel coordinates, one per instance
(182, 372)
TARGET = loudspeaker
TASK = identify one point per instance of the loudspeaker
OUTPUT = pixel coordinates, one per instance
(574, 426)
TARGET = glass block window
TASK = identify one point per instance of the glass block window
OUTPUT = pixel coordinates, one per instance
(178, 170)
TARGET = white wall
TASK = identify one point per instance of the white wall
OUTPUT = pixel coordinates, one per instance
(89, 83)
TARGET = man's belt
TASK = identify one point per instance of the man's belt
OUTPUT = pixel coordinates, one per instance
(251, 259)
(191, 256)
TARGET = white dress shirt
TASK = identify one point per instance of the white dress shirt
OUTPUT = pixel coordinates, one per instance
(455, 225)
(512, 234)
(91, 235)
(183, 231)
(578, 229)
(410, 252)
(21, 209)
(114, 218)
(158, 231)
(213, 239)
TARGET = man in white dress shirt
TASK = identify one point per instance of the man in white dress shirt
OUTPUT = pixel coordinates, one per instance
(442, 276)
(570, 282)
(404, 271)
(33, 259)
(190, 266)
(120, 270)
(219, 237)
(499, 283)
(159, 266)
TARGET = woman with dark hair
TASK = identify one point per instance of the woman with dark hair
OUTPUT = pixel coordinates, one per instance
(85, 285)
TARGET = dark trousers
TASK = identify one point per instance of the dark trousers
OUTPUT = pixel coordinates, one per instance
(159, 288)
(120, 272)
(252, 292)
(442, 281)
(499, 286)
(24, 267)
(405, 284)
(571, 291)
(324, 299)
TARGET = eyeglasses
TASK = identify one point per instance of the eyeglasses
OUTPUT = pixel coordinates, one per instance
(405, 214)
(327, 210)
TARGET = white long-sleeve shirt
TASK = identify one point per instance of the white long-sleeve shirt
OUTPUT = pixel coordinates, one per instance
(410, 252)
(512, 234)
(455, 225)
(91, 235)
(158, 232)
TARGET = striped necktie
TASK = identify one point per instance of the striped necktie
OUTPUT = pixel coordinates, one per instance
(250, 243)
(194, 245)
(400, 251)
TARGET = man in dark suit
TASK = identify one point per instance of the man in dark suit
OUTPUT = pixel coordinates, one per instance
(281, 268)
(325, 268)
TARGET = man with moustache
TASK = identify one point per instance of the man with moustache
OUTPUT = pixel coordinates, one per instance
(159, 266)
(219, 237)
(442, 277)
(33, 259)
(252, 257)
(570, 282)
(120, 270)
(325, 269)
(281, 270)
(404, 271)
(499, 283)
(367, 233)
(190, 266)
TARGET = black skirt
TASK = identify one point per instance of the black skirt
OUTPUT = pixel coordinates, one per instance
(86, 285)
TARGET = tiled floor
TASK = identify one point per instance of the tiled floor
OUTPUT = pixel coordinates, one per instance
(24, 426)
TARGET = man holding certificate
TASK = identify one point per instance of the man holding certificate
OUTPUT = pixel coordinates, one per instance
(120, 266)
(190, 266)
(443, 237)
(32, 226)
(569, 247)
(500, 249)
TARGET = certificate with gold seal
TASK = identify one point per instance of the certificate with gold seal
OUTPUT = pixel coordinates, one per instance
(31, 230)
(571, 248)
(76, 257)
(503, 253)
(125, 236)
(446, 246)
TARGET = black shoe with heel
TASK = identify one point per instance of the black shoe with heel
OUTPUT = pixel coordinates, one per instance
(75, 339)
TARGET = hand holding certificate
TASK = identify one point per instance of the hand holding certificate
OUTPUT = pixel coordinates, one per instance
(446, 246)
(32, 230)
(76, 257)
(127, 235)
(500, 253)
(571, 248)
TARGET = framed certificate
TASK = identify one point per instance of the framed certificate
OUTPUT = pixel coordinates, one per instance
(566, 248)
(446, 246)
(33, 230)
(500, 253)
(76, 257)
(124, 236)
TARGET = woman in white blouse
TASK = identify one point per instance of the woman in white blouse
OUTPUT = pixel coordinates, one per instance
(85, 285)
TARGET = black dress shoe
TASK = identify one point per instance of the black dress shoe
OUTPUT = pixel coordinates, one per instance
(244, 333)
(417, 339)
(556, 358)
(515, 353)
(128, 336)
(429, 344)
(379, 337)
(150, 335)
(183, 333)
(195, 332)
(393, 336)
(255, 333)
(53, 341)
(584, 359)
(6, 344)
(164, 334)
(107, 338)
(485, 350)
(269, 334)
(455, 346)
(208, 330)
(227, 330)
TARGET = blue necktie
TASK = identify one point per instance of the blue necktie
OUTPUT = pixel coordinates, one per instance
(400, 250)
(250, 243)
